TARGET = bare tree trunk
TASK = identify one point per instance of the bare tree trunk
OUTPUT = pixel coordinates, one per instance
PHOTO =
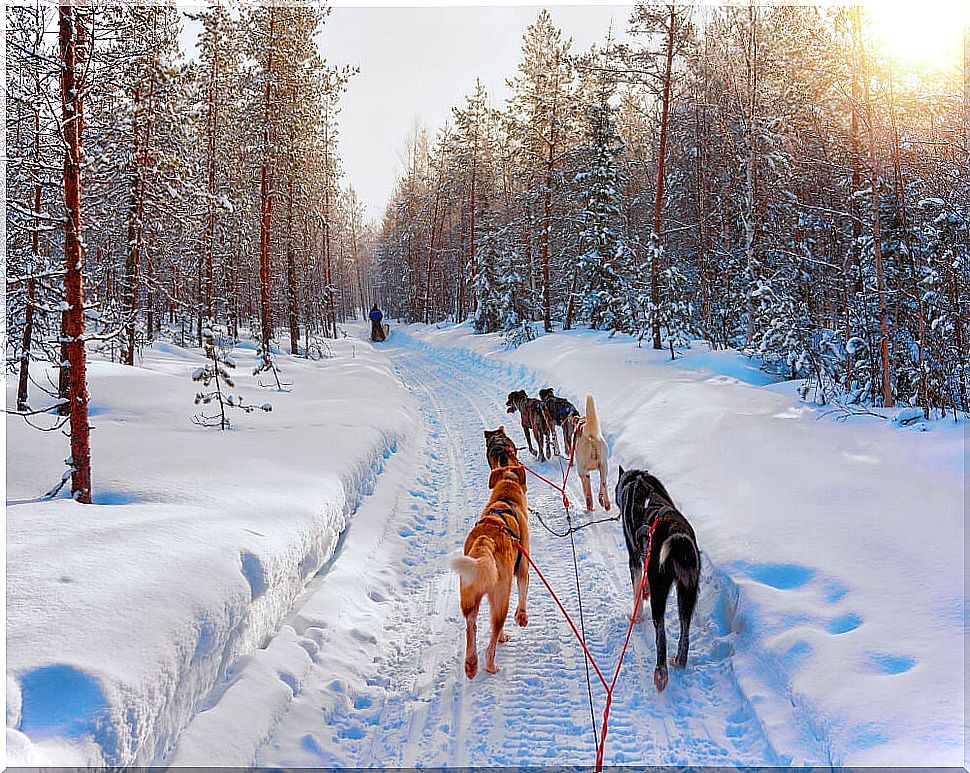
(266, 199)
(71, 107)
(546, 225)
(887, 394)
(426, 312)
(904, 223)
(751, 170)
(22, 392)
(291, 287)
(655, 237)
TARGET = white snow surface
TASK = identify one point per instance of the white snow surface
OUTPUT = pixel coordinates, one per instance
(127, 617)
(829, 628)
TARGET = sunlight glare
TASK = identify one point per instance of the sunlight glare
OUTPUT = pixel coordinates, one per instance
(919, 34)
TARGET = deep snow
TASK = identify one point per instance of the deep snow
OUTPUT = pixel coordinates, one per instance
(829, 630)
(124, 617)
(845, 540)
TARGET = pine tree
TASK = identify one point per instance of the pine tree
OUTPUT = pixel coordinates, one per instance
(215, 374)
(602, 260)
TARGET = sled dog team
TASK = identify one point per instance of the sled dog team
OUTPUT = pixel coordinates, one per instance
(654, 529)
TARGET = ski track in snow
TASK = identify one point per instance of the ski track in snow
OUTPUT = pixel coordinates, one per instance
(404, 700)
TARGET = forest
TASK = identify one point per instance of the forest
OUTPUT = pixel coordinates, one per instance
(762, 178)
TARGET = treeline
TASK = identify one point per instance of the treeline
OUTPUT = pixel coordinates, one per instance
(149, 191)
(212, 189)
(759, 177)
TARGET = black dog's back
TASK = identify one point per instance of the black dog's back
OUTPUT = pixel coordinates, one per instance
(652, 523)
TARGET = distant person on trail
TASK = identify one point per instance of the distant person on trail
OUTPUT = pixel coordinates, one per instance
(376, 329)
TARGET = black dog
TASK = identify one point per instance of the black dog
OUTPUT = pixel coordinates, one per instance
(499, 449)
(560, 412)
(647, 507)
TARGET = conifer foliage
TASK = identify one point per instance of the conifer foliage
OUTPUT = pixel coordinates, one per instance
(756, 176)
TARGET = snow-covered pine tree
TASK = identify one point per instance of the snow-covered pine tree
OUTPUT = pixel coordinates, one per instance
(214, 377)
(514, 306)
(602, 259)
(488, 275)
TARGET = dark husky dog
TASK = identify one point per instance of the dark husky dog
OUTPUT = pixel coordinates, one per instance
(560, 412)
(499, 449)
(646, 506)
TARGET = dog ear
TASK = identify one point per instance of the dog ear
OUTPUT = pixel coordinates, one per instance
(621, 470)
(501, 428)
(520, 473)
(495, 475)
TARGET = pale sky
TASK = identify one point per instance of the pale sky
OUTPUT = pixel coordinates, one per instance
(416, 63)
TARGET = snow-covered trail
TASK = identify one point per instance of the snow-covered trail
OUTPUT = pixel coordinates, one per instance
(383, 684)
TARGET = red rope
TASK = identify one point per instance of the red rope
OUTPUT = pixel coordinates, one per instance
(619, 665)
(562, 609)
(561, 489)
(589, 656)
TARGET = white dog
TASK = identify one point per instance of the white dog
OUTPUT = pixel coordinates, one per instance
(590, 454)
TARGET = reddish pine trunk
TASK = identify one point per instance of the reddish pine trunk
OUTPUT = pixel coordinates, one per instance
(426, 315)
(291, 266)
(74, 257)
(22, 395)
(659, 195)
(547, 218)
(212, 119)
(887, 394)
(266, 200)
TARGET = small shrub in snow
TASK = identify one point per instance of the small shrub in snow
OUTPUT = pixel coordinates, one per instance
(214, 377)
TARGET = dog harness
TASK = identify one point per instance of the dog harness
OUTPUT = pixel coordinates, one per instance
(501, 521)
(564, 411)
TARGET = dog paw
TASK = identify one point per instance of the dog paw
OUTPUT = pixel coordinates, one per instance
(492, 668)
(471, 667)
(660, 679)
(503, 638)
(676, 662)
(521, 618)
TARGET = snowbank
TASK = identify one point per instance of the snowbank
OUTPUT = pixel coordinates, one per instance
(844, 540)
(127, 617)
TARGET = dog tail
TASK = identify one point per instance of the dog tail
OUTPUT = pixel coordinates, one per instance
(475, 571)
(592, 420)
(687, 563)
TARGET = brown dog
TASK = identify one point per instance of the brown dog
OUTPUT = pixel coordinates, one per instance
(499, 449)
(490, 560)
(591, 453)
(536, 419)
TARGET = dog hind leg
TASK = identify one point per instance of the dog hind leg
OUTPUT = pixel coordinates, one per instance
(658, 605)
(604, 496)
(522, 582)
(587, 490)
(471, 646)
(686, 599)
(636, 569)
(499, 603)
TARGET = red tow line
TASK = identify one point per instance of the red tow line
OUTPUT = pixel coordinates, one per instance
(589, 656)
(561, 489)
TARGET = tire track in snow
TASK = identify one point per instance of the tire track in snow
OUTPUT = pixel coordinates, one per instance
(412, 705)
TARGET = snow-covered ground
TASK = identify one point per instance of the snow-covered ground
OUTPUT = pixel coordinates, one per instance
(829, 628)
(125, 617)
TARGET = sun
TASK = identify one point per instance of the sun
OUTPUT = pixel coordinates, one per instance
(919, 34)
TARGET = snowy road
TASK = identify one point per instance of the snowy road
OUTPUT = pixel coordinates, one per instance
(383, 684)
